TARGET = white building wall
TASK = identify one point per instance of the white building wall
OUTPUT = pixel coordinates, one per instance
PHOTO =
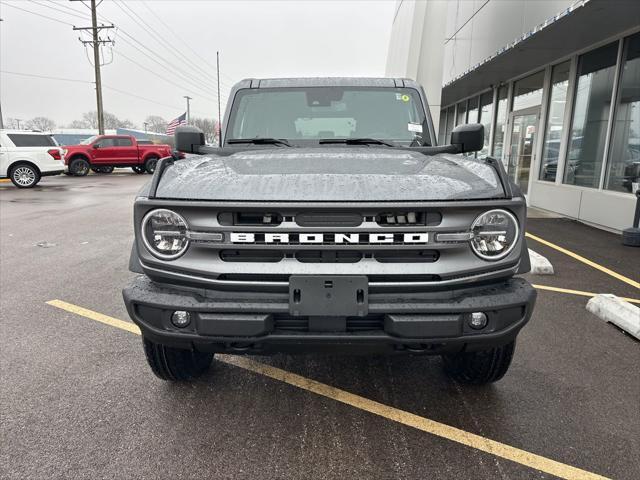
(436, 41)
(476, 29)
(404, 47)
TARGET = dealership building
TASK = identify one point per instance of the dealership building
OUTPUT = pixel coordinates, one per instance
(556, 84)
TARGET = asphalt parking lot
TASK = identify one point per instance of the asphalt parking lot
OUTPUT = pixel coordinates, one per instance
(77, 399)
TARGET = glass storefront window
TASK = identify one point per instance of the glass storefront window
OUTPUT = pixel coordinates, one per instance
(462, 113)
(473, 110)
(442, 126)
(486, 117)
(501, 122)
(528, 91)
(596, 71)
(624, 158)
(451, 116)
(555, 121)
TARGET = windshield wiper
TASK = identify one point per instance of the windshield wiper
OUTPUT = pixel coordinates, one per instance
(260, 141)
(355, 141)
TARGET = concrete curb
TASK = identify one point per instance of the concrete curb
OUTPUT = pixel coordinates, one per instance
(539, 264)
(614, 310)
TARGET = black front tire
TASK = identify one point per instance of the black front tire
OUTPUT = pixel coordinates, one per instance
(481, 367)
(175, 364)
(79, 167)
(150, 164)
(24, 175)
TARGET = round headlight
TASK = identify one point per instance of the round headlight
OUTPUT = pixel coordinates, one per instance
(164, 233)
(495, 234)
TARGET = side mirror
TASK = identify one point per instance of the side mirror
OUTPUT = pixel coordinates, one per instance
(95, 145)
(189, 139)
(468, 137)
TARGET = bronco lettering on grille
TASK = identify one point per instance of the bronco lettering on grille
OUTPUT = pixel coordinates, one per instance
(420, 238)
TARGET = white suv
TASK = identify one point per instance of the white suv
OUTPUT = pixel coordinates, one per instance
(26, 156)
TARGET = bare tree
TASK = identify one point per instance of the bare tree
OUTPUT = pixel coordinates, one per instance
(43, 124)
(90, 120)
(208, 126)
(156, 124)
(113, 122)
(13, 123)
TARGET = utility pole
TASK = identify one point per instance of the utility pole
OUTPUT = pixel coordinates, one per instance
(219, 118)
(145, 126)
(188, 109)
(96, 42)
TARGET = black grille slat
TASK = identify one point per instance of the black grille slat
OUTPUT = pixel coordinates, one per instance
(408, 256)
(260, 256)
(354, 324)
(328, 256)
(329, 219)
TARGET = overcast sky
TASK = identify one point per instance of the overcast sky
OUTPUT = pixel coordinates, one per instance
(259, 38)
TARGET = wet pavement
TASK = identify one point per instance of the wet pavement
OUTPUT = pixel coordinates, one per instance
(77, 399)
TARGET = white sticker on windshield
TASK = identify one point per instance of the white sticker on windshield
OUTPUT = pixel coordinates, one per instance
(414, 127)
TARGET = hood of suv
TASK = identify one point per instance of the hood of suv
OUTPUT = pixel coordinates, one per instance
(329, 174)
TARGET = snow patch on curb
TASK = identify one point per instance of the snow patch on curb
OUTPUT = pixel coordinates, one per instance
(539, 264)
(614, 310)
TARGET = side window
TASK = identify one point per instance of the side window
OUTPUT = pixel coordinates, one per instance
(31, 140)
(106, 142)
(124, 142)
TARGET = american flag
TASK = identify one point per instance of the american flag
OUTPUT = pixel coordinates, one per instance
(176, 122)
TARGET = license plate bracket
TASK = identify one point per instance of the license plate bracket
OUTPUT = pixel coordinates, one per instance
(329, 295)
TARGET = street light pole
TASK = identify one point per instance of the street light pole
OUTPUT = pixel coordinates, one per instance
(145, 126)
(188, 109)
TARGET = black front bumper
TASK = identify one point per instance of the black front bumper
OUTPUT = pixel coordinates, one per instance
(260, 322)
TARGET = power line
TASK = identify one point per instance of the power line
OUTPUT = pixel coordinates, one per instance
(178, 70)
(170, 47)
(74, 13)
(71, 9)
(162, 77)
(147, 28)
(206, 62)
(88, 82)
(58, 10)
(156, 74)
(38, 14)
(48, 77)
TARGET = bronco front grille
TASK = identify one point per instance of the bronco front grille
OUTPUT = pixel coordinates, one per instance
(330, 256)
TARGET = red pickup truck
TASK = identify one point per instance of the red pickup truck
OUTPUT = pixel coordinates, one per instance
(102, 153)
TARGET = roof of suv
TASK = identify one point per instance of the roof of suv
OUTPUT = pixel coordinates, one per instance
(13, 131)
(326, 82)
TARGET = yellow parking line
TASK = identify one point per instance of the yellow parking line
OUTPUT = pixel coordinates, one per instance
(438, 429)
(579, 292)
(586, 261)
(98, 317)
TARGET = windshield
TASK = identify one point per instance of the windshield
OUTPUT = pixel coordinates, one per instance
(89, 140)
(303, 116)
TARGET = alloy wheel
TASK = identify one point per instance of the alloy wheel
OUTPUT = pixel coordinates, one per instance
(24, 176)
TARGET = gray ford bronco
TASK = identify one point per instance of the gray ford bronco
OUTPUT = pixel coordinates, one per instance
(330, 220)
